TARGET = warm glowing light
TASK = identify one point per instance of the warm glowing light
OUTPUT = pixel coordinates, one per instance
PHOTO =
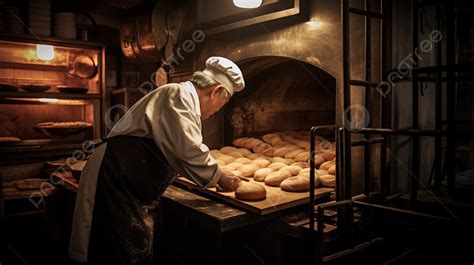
(314, 24)
(48, 100)
(44, 52)
(247, 3)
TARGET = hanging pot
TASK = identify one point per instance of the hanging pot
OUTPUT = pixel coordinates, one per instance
(83, 67)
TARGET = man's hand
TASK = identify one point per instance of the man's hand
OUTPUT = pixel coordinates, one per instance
(229, 181)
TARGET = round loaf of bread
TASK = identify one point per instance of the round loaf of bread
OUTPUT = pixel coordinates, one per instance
(302, 165)
(234, 165)
(326, 165)
(226, 158)
(240, 142)
(282, 160)
(274, 179)
(248, 170)
(294, 153)
(294, 170)
(332, 170)
(302, 157)
(262, 173)
(277, 165)
(328, 181)
(235, 154)
(261, 162)
(243, 160)
(251, 192)
(228, 149)
(295, 184)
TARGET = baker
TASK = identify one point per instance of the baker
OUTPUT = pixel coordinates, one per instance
(157, 138)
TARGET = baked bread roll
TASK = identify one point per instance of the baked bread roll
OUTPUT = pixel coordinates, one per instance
(294, 153)
(243, 160)
(318, 160)
(328, 181)
(261, 162)
(244, 151)
(294, 170)
(269, 152)
(302, 165)
(252, 142)
(271, 138)
(260, 147)
(281, 144)
(226, 170)
(253, 156)
(326, 165)
(235, 154)
(277, 165)
(221, 163)
(274, 179)
(304, 170)
(216, 153)
(227, 159)
(234, 165)
(302, 144)
(302, 157)
(328, 155)
(250, 192)
(228, 149)
(248, 170)
(282, 160)
(240, 142)
(332, 170)
(262, 173)
(321, 172)
(295, 184)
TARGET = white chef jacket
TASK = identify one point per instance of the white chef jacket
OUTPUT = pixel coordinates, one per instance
(171, 115)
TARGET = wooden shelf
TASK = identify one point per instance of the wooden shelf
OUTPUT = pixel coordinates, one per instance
(19, 94)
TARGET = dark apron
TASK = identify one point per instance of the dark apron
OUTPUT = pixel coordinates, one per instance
(133, 174)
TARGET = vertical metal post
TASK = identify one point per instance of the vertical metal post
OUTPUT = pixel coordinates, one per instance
(451, 98)
(314, 242)
(415, 158)
(438, 103)
(368, 92)
(347, 98)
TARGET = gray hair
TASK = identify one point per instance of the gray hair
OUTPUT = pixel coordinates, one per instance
(203, 81)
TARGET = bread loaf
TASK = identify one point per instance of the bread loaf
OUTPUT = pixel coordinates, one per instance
(328, 181)
(250, 192)
(252, 142)
(262, 173)
(227, 159)
(240, 142)
(271, 138)
(234, 165)
(269, 152)
(244, 151)
(302, 157)
(216, 153)
(282, 160)
(274, 179)
(294, 170)
(294, 153)
(235, 154)
(221, 163)
(295, 184)
(261, 162)
(248, 170)
(326, 165)
(332, 170)
(228, 149)
(318, 160)
(261, 147)
(277, 165)
(302, 165)
(243, 160)
(328, 155)
(253, 156)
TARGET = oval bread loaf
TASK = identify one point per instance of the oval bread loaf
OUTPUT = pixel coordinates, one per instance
(228, 149)
(328, 181)
(250, 192)
(262, 173)
(274, 179)
(277, 165)
(248, 170)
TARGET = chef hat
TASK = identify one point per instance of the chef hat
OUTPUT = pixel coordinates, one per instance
(226, 72)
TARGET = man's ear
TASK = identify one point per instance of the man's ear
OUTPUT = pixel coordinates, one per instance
(216, 91)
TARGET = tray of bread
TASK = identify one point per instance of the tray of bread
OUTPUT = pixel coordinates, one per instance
(276, 167)
(62, 128)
